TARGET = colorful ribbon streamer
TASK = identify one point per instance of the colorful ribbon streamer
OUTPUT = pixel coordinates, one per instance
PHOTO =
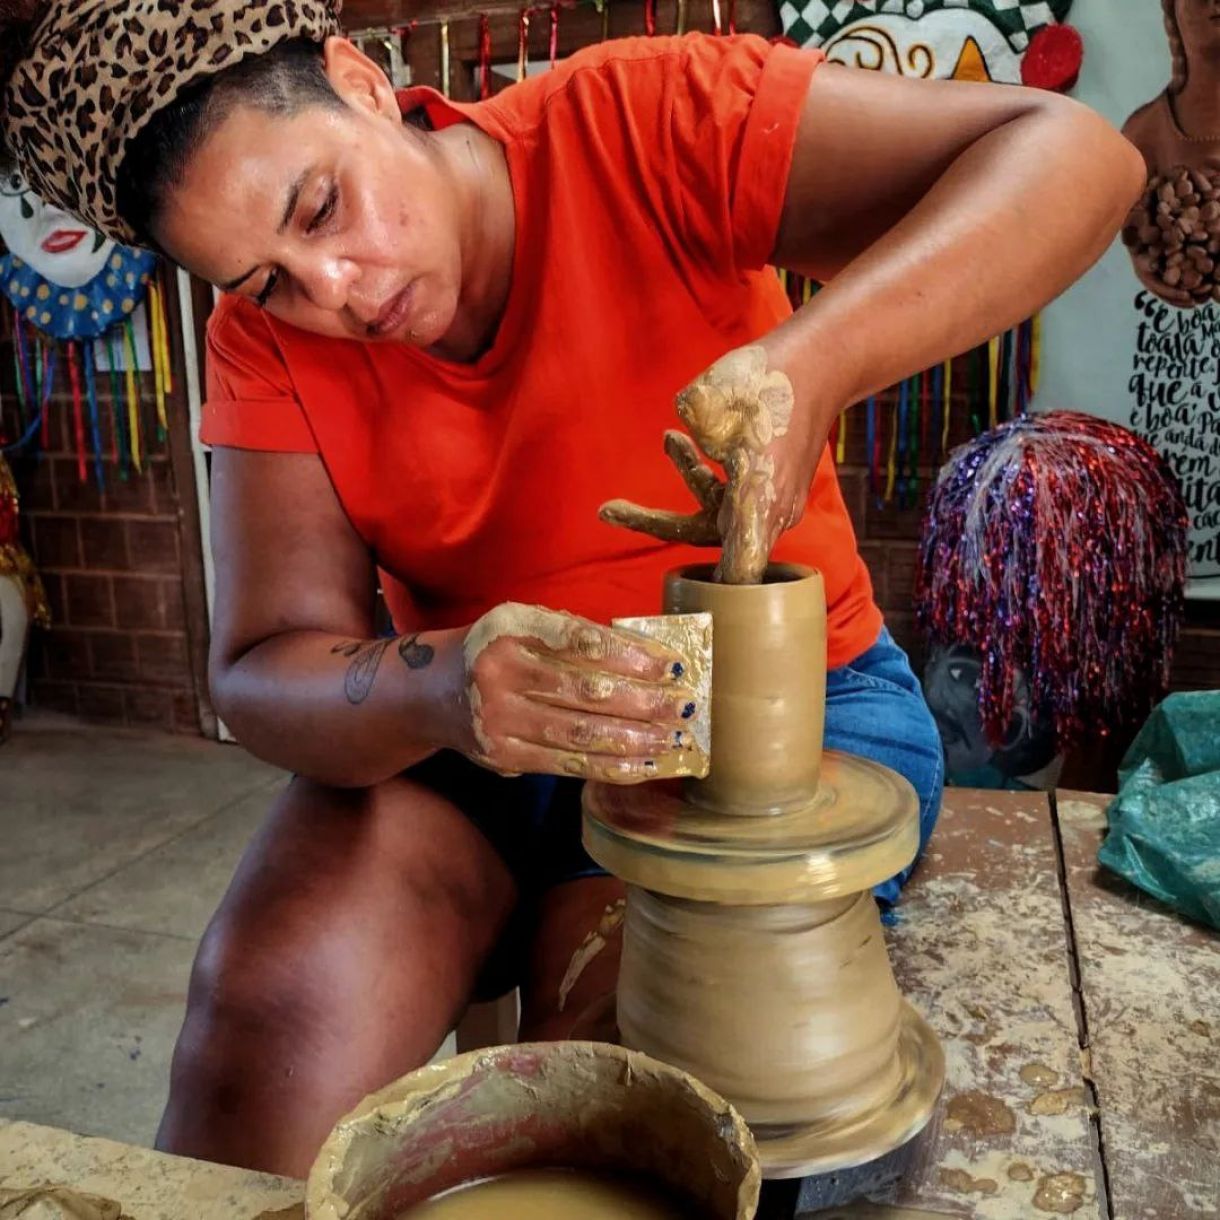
(484, 57)
(95, 422)
(891, 468)
(78, 413)
(993, 380)
(133, 397)
(872, 441)
(155, 322)
(116, 406)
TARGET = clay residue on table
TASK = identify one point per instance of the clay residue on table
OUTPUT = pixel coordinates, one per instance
(959, 1181)
(1061, 1193)
(57, 1203)
(980, 948)
(1039, 1075)
(1150, 989)
(150, 1185)
(980, 1114)
(1058, 1101)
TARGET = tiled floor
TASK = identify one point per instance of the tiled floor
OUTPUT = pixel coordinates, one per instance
(115, 848)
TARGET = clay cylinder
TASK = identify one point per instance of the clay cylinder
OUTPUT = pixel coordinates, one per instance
(790, 1011)
(768, 687)
(577, 1105)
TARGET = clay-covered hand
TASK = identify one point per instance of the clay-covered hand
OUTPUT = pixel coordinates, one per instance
(550, 693)
(740, 412)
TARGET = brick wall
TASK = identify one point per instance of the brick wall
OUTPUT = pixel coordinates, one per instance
(114, 564)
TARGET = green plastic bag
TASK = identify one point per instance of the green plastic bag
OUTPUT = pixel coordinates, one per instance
(1165, 822)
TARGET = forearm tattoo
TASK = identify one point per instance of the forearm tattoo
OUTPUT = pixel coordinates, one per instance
(362, 672)
(415, 654)
(366, 657)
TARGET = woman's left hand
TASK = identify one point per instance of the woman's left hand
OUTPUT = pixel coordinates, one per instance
(743, 414)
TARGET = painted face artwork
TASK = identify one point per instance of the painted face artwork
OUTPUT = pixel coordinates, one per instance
(956, 44)
(975, 40)
(60, 249)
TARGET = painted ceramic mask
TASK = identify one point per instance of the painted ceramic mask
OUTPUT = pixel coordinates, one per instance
(60, 249)
(954, 44)
(1011, 41)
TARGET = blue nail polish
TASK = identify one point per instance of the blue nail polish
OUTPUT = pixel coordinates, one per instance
(677, 737)
(678, 669)
(688, 711)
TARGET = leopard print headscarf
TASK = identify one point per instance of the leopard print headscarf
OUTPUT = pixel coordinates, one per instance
(96, 71)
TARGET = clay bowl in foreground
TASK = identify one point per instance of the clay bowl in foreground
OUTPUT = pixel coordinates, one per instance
(585, 1105)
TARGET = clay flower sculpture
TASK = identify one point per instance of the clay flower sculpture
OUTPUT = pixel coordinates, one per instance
(735, 411)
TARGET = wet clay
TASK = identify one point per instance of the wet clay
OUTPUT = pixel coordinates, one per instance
(690, 636)
(980, 1114)
(1057, 1101)
(735, 411)
(962, 1182)
(692, 529)
(768, 706)
(825, 1039)
(554, 1194)
(590, 947)
(753, 954)
(1060, 1193)
(1039, 1075)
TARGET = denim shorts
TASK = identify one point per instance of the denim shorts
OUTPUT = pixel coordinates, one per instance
(874, 708)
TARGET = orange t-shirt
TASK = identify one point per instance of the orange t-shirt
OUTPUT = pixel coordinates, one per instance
(648, 176)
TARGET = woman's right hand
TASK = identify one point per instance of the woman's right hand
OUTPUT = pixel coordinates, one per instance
(550, 693)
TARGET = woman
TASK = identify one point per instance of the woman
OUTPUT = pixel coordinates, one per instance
(447, 341)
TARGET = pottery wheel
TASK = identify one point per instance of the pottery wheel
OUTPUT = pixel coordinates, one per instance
(756, 882)
(860, 830)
